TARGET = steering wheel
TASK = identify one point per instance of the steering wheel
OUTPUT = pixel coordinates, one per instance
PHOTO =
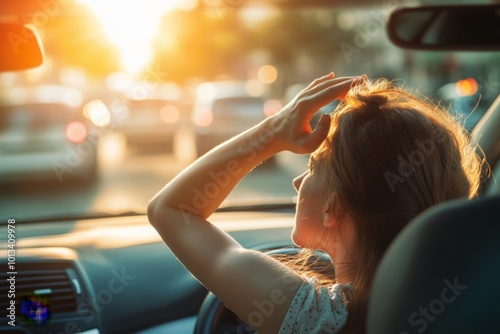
(215, 318)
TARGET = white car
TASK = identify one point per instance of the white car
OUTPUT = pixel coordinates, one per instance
(224, 109)
(150, 119)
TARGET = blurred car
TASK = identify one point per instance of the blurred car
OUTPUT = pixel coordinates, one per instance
(222, 110)
(151, 118)
(44, 135)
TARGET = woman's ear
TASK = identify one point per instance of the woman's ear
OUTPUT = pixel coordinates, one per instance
(330, 211)
(328, 220)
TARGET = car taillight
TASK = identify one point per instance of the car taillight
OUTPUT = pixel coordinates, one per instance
(76, 132)
(466, 87)
(203, 118)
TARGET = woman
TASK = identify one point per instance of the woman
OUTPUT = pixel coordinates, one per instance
(380, 160)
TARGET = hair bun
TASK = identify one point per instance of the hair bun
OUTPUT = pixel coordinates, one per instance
(373, 101)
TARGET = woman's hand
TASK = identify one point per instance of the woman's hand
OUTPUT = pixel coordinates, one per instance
(291, 125)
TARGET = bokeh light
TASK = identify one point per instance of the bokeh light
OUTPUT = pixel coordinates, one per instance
(97, 112)
(466, 87)
(76, 132)
(169, 114)
(267, 74)
(271, 107)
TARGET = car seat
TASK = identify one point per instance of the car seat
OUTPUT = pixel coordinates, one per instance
(442, 273)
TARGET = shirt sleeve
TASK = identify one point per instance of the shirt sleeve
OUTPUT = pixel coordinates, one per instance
(315, 310)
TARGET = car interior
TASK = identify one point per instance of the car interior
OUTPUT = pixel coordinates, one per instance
(106, 272)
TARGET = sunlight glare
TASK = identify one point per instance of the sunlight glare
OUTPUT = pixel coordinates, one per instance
(131, 25)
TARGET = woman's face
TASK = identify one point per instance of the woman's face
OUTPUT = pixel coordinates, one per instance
(311, 209)
(314, 227)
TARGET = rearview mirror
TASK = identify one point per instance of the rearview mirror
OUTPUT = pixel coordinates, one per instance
(21, 47)
(461, 27)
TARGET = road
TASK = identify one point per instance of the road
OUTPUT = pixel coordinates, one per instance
(129, 177)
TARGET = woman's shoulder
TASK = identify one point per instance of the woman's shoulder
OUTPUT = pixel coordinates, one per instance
(317, 308)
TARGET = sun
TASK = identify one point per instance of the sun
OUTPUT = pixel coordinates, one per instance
(131, 25)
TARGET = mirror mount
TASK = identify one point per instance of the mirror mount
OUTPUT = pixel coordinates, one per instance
(21, 47)
(445, 28)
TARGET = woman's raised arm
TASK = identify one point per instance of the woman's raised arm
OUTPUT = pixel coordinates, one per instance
(244, 280)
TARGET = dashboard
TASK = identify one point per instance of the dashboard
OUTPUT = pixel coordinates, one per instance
(114, 275)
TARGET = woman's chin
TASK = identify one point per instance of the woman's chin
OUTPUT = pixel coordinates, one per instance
(297, 240)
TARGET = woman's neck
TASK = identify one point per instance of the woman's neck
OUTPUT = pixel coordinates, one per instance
(343, 273)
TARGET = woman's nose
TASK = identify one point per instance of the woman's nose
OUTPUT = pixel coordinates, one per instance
(298, 181)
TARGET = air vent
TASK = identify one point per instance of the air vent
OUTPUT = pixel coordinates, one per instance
(56, 281)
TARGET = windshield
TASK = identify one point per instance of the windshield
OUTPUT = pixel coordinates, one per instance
(143, 109)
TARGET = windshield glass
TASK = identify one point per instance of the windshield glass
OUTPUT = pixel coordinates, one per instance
(145, 87)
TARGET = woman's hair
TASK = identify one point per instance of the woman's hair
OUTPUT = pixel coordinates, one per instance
(389, 155)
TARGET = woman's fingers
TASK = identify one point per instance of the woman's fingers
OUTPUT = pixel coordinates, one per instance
(319, 133)
(325, 92)
(317, 81)
(326, 84)
(323, 84)
(335, 90)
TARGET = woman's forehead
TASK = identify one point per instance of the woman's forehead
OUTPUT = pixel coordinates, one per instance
(320, 153)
